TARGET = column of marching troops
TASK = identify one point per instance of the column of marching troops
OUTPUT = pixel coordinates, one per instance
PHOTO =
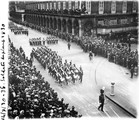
(18, 30)
(64, 73)
(39, 41)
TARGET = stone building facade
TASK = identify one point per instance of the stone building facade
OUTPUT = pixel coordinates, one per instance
(81, 17)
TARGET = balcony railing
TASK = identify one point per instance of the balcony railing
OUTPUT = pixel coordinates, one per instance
(58, 12)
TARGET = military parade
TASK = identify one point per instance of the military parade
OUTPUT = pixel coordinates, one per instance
(72, 59)
(64, 73)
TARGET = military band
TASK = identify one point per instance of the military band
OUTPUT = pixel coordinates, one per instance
(42, 41)
(64, 73)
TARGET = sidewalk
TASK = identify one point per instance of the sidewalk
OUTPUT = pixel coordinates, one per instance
(123, 103)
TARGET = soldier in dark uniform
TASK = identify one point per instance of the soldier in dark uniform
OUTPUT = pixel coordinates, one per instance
(85, 47)
(81, 74)
(132, 71)
(101, 100)
(69, 45)
(90, 55)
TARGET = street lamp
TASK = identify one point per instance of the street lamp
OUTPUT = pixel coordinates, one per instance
(112, 88)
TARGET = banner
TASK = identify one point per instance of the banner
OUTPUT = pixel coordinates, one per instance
(38, 6)
(134, 9)
(50, 6)
(86, 4)
(76, 4)
(113, 7)
(69, 4)
(55, 6)
(59, 6)
(124, 6)
(47, 6)
(64, 5)
(83, 7)
(43, 6)
(89, 7)
(101, 7)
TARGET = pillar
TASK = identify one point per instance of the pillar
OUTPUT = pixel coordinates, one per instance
(67, 26)
(49, 23)
(54, 23)
(72, 26)
(112, 88)
(61, 24)
(23, 17)
(38, 20)
(57, 23)
(80, 28)
(45, 21)
(41, 21)
(34, 20)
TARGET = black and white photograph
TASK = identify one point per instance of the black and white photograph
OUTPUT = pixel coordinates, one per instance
(69, 59)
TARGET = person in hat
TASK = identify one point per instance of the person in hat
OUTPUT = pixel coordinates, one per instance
(21, 115)
(101, 99)
(69, 45)
(73, 113)
(90, 55)
(81, 74)
(132, 71)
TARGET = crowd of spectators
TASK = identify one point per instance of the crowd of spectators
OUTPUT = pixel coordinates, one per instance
(30, 96)
(62, 72)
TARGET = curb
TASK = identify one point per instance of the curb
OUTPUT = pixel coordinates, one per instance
(121, 107)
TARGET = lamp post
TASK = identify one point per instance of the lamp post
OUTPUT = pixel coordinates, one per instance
(112, 88)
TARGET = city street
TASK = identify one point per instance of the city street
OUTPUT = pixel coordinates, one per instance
(98, 73)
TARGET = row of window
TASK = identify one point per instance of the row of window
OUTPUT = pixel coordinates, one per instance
(88, 5)
(111, 22)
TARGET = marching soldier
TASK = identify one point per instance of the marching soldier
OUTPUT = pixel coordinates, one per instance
(69, 45)
(81, 74)
(101, 100)
(132, 71)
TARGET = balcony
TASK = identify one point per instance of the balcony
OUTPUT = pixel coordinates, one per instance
(68, 13)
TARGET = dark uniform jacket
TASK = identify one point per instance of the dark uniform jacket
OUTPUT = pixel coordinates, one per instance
(101, 98)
